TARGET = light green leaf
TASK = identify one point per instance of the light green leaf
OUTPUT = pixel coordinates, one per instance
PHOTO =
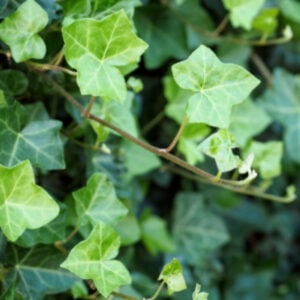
(93, 259)
(282, 102)
(25, 138)
(22, 203)
(197, 295)
(97, 49)
(161, 240)
(267, 158)
(19, 31)
(219, 146)
(188, 143)
(266, 21)
(138, 160)
(216, 86)
(173, 277)
(196, 230)
(243, 125)
(36, 272)
(98, 202)
(242, 12)
(164, 33)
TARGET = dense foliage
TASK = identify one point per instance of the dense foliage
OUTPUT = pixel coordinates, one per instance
(149, 149)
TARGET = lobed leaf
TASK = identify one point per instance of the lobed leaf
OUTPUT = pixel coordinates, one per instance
(93, 259)
(98, 50)
(19, 31)
(22, 203)
(216, 86)
(25, 137)
(98, 202)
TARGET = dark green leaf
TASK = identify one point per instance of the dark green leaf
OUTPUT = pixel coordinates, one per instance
(36, 140)
(13, 82)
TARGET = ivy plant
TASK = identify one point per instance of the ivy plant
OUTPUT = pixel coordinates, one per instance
(149, 149)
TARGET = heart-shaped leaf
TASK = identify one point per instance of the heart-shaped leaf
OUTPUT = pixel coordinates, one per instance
(216, 86)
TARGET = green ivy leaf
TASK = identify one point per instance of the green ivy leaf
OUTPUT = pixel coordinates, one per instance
(25, 137)
(197, 295)
(219, 146)
(98, 202)
(242, 12)
(247, 125)
(267, 158)
(290, 9)
(22, 203)
(161, 240)
(281, 101)
(173, 277)
(164, 34)
(19, 31)
(36, 272)
(98, 49)
(93, 259)
(216, 86)
(196, 230)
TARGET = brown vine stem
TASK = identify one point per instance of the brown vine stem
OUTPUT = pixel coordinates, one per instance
(262, 68)
(123, 296)
(237, 186)
(177, 136)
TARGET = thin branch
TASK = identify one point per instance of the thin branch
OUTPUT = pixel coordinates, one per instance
(236, 186)
(177, 136)
(153, 122)
(123, 296)
(221, 26)
(157, 292)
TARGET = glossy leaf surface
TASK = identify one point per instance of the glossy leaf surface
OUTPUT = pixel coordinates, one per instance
(19, 31)
(23, 204)
(93, 259)
(97, 50)
(216, 86)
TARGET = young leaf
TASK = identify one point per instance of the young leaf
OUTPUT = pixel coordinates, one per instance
(219, 146)
(98, 49)
(93, 259)
(19, 31)
(266, 21)
(36, 272)
(98, 202)
(26, 138)
(281, 101)
(216, 86)
(22, 203)
(173, 277)
(242, 12)
(197, 295)
(267, 158)
(196, 230)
